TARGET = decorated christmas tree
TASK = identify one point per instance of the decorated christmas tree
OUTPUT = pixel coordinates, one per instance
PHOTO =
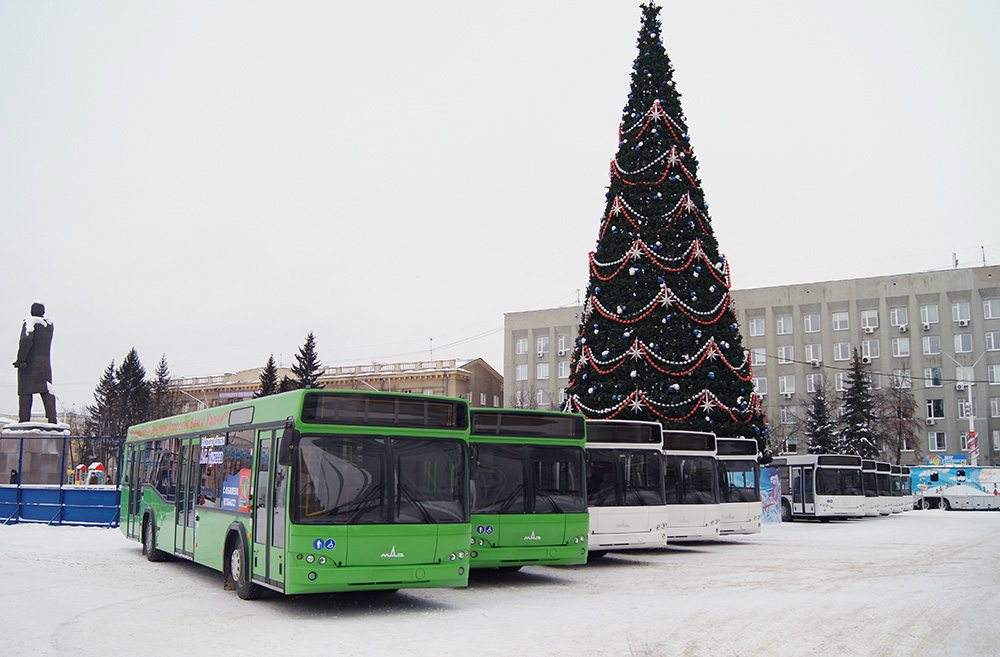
(659, 337)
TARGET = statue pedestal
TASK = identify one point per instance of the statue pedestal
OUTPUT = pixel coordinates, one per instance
(34, 430)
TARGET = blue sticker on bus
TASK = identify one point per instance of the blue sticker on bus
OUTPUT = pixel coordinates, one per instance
(489, 529)
(330, 544)
(480, 529)
(318, 544)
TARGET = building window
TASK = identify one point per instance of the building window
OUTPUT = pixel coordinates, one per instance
(869, 349)
(841, 321)
(898, 316)
(758, 356)
(482, 399)
(564, 369)
(760, 385)
(991, 308)
(814, 382)
(814, 353)
(902, 378)
(784, 325)
(993, 341)
(993, 374)
(786, 355)
(874, 380)
(811, 323)
(496, 401)
(542, 398)
(936, 441)
(522, 346)
(521, 372)
(935, 409)
(994, 406)
(960, 311)
(900, 347)
(963, 441)
(932, 345)
(756, 327)
(564, 344)
(933, 377)
(996, 440)
(963, 343)
(542, 371)
(840, 381)
(905, 445)
(929, 314)
(788, 415)
(562, 396)
(543, 345)
(786, 384)
(869, 319)
(842, 351)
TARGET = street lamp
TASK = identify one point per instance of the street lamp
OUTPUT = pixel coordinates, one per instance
(972, 443)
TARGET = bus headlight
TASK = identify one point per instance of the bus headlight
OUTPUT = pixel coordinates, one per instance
(474, 554)
(461, 555)
(310, 558)
(312, 576)
(322, 560)
(452, 556)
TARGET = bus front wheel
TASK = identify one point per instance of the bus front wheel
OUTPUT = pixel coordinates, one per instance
(945, 504)
(149, 542)
(238, 571)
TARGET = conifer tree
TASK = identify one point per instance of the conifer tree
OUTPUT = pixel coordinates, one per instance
(161, 397)
(820, 427)
(104, 410)
(659, 336)
(307, 368)
(133, 391)
(860, 431)
(268, 379)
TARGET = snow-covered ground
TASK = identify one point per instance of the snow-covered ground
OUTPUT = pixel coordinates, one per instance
(921, 583)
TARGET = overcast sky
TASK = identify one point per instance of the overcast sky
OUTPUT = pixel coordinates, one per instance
(212, 181)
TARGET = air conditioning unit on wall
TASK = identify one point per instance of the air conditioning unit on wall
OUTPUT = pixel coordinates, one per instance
(963, 323)
(902, 328)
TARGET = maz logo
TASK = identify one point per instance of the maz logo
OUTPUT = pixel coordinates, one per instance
(392, 554)
(532, 537)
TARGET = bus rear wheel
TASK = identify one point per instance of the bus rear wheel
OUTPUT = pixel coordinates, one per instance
(149, 542)
(238, 571)
(945, 504)
(786, 512)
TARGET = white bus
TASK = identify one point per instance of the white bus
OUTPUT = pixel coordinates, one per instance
(907, 489)
(739, 485)
(885, 501)
(820, 486)
(902, 498)
(626, 493)
(869, 483)
(692, 481)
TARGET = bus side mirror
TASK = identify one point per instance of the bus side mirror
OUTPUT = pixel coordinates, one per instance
(288, 444)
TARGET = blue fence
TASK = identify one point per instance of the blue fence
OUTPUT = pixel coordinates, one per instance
(49, 486)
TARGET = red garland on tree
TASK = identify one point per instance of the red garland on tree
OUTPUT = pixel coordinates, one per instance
(659, 337)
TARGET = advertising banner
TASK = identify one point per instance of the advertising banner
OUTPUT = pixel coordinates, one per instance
(770, 494)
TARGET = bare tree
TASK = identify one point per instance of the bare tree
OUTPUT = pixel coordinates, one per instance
(524, 395)
(899, 425)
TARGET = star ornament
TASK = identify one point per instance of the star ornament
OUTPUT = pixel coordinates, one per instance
(635, 351)
(617, 207)
(635, 404)
(635, 252)
(706, 404)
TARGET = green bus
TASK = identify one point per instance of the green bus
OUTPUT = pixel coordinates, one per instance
(529, 497)
(307, 491)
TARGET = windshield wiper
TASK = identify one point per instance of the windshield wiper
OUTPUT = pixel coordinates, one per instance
(420, 507)
(365, 503)
(551, 500)
(635, 491)
(509, 501)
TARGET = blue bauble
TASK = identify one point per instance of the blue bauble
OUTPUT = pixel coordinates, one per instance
(711, 375)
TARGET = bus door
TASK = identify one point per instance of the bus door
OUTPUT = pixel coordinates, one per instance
(187, 468)
(269, 493)
(803, 500)
(134, 491)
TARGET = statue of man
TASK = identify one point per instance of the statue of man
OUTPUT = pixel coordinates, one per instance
(34, 369)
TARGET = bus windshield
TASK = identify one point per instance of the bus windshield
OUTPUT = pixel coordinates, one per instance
(348, 480)
(838, 481)
(870, 481)
(639, 482)
(555, 484)
(738, 481)
(691, 480)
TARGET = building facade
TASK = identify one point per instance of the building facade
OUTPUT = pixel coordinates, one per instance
(936, 332)
(473, 380)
